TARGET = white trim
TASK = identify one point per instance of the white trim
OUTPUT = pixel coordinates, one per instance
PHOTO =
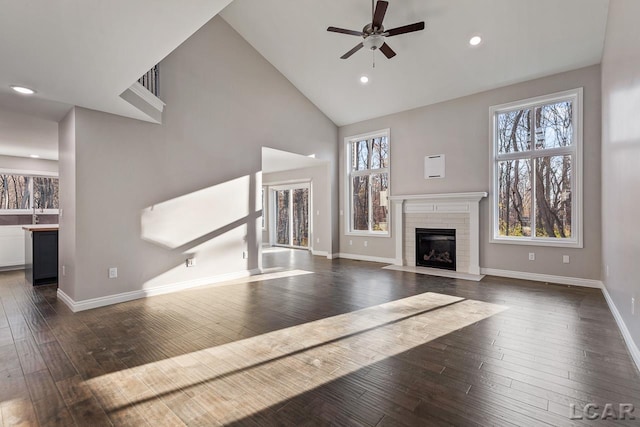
(147, 96)
(475, 196)
(359, 257)
(319, 253)
(628, 338)
(333, 256)
(12, 267)
(88, 304)
(347, 183)
(547, 278)
(576, 150)
(25, 172)
(435, 272)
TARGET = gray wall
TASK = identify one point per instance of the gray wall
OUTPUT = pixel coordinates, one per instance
(67, 194)
(28, 164)
(460, 130)
(148, 196)
(621, 159)
(321, 201)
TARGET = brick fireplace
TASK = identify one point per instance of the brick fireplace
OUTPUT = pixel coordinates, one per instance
(449, 211)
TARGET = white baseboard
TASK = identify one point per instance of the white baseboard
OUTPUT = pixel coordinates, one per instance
(88, 304)
(320, 253)
(359, 257)
(12, 268)
(333, 256)
(547, 278)
(628, 339)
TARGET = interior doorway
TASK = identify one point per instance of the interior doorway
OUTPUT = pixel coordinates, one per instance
(291, 222)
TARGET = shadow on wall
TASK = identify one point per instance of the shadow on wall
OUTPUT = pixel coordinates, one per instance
(215, 225)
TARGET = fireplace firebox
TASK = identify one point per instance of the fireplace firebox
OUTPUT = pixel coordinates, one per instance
(436, 248)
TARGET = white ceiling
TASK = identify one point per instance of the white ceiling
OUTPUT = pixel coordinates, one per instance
(277, 161)
(522, 40)
(86, 53)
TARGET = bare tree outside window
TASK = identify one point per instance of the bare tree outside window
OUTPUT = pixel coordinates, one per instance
(535, 170)
(369, 184)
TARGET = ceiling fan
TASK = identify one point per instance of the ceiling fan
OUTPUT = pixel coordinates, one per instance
(373, 34)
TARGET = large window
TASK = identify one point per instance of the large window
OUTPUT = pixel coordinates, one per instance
(25, 199)
(368, 183)
(537, 147)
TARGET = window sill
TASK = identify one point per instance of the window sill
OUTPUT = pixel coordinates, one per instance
(577, 244)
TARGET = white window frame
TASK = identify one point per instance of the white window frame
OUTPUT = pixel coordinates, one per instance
(31, 174)
(273, 211)
(349, 174)
(575, 150)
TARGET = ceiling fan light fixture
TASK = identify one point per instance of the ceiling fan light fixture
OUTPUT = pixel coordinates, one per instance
(373, 42)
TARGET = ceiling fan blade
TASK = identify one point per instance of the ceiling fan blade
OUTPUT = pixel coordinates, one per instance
(352, 51)
(388, 52)
(418, 26)
(378, 15)
(343, 31)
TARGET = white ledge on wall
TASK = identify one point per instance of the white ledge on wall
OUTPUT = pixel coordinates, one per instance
(442, 203)
(138, 96)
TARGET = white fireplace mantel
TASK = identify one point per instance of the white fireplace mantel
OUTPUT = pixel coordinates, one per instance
(465, 203)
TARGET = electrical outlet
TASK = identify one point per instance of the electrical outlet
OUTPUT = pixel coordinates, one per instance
(633, 306)
(190, 262)
(532, 256)
(113, 272)
(318, 240)
(64, 270)
(607, 270)
(565, 259)
(350, 242)
(366, 243)
(318, 213)
(341, 212)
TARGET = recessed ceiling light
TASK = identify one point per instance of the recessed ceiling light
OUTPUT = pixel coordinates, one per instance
(364, 79)
(23, 90)
(475, 40)
(34, 156)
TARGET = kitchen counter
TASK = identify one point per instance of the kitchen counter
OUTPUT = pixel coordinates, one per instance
(40, 227)
(41, 253)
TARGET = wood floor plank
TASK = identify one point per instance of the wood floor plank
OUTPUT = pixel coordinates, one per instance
(346, 344)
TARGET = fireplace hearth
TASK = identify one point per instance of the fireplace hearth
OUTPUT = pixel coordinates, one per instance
(436, 248)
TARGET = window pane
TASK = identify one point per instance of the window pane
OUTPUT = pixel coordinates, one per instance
(360, 155)
(14, 192)
(514, 198)
(282, 226)
(554, 125)
(380, 153)
(379, 188)
(301, 217)
(553, 196)
(514, 131)
(360, 191)
(45, 193)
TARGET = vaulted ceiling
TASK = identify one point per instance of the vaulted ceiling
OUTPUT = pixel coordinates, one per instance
(87, 53)
(522, 40)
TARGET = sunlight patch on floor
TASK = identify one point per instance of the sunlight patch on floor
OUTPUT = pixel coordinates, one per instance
(235, 380)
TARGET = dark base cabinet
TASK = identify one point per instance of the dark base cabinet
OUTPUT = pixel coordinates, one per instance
(41, 257)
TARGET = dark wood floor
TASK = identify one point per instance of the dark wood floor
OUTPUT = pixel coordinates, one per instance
(340, 342)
